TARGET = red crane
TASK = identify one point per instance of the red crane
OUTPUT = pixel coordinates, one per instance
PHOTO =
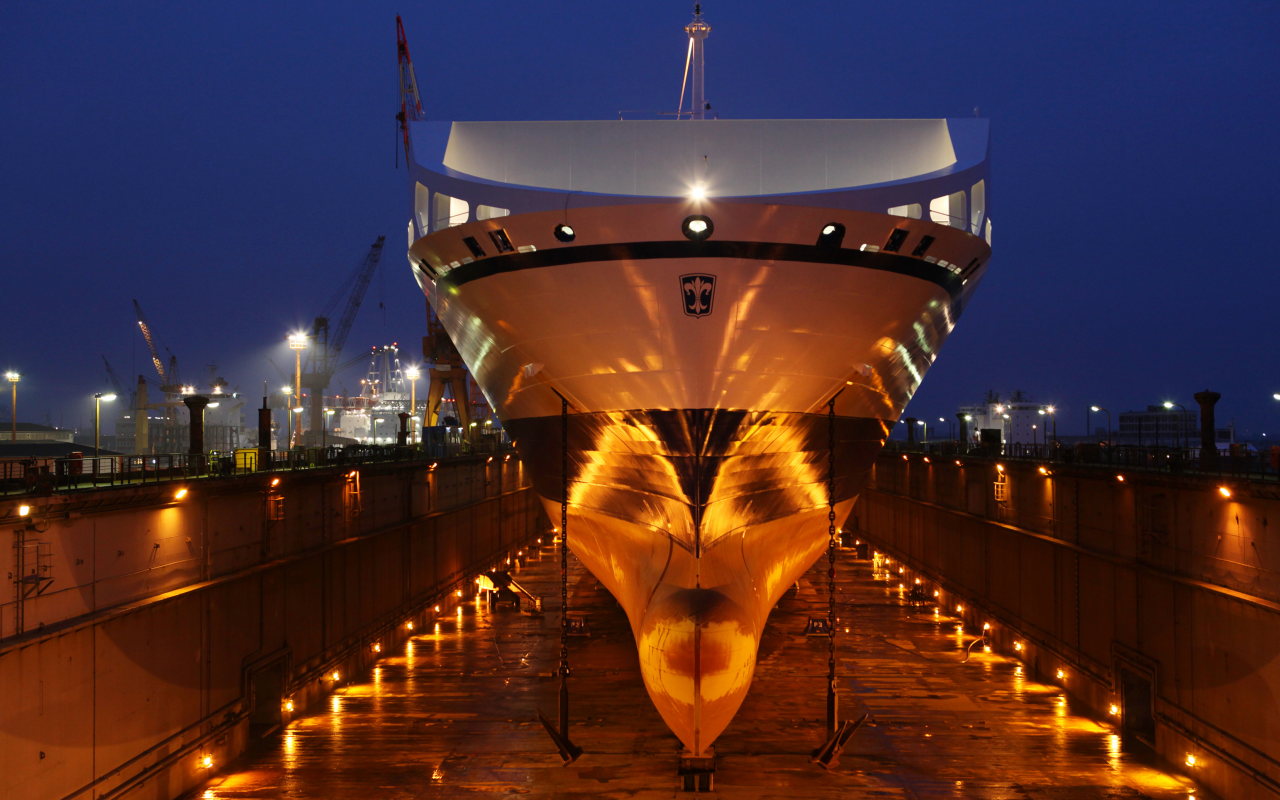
(410, 107)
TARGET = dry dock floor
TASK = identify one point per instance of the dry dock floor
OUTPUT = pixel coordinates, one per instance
(453, 714)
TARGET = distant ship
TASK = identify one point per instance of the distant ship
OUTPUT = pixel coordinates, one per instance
(697, 290)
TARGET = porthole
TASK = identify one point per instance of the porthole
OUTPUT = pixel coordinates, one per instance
(564, 233)
(697, 227)
(831, 235)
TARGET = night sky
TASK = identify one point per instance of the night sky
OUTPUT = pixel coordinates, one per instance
(228, 164)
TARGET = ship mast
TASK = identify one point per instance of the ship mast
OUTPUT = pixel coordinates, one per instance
(698, 31)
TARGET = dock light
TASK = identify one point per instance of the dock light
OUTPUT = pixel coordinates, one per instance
(288, 705)
(539, 541)
(181, 493)
(437, 608)
(926, 459)
(377, 647)
(986, 626)
(904, 458)
(697, 193)
(917, 580)
(490, 457)
(24, 510)
(959, 609)
(1224, 491)
(1191, 760)
(459, 592)
(935, 592)
(335, 675)
(1000, 467)
(1114, 709)
(564, 233)
(1017, 646)
(986, 648)
(1120, 478)
(409, 625)
(958, 464)
(1044, 471)
(275, 481)
(1094, 408)
(433, 466)
(287, 389)
(697, 227)
(832, 235)
(206, 761)
(1061, 674)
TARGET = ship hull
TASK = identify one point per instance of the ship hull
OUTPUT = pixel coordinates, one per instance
(717, 394)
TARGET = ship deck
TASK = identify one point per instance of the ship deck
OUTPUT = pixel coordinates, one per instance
(453, 714)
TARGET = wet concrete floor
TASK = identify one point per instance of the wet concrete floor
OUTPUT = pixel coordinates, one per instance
(453, 714)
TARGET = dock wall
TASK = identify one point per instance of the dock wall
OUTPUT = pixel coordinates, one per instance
(1155, 593)
(154, 634)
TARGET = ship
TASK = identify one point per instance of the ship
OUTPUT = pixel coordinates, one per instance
(699, 332)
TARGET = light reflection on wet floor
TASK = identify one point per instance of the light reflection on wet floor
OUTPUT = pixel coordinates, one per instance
(454, 713)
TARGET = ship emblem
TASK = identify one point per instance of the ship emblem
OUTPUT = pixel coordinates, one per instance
(698, 291)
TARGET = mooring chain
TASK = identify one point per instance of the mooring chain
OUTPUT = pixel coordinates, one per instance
(563, 536)
(831, 545)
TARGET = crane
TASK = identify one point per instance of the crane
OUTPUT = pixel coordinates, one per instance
(410, 105)
(168, 379)
(323, 357)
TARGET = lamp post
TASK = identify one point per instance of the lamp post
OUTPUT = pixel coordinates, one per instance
(1053, 416)
(412, 374)
(324, 436)
(1108, 413)
(375, 430)
(288, 422)
(97, 422)
(298, 343)
(13, 379)
(1185, 439)
(950, 427)
(924, 432)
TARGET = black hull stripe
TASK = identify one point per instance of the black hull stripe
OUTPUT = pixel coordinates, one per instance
(753, 251)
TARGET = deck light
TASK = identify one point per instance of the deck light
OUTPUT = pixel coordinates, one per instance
(1044, 471)
(377, 647)
(1224, 491)
(697, 227)
(564, 233)
(1191, 760)
(959, 609)
(288, 705)
(24, 510)
(275, 481)
(206, 761)
(437, 608)
(1114, 709)
(1061, 674)
(986, 626)
(1017, 646)
(1000, 467)
(459, 592)
(1120, 478)
(181, 493)
(335, 674)
(958, 464)
(935, 592)
(409, 625)
(832, 235)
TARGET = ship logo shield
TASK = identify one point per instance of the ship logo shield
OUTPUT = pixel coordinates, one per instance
(698, 292)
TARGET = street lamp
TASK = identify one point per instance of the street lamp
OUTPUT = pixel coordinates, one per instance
(298, 343)
(14, 377)
(924, 434)
(324, 436)
(412, 374)
(1050, 410)
(97, 422)
(1186, 437)
(1108, 413)
(375, 430)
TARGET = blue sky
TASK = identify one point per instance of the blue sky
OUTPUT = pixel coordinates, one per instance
(227, 165)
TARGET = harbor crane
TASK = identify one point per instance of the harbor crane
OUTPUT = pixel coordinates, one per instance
(326, 350)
